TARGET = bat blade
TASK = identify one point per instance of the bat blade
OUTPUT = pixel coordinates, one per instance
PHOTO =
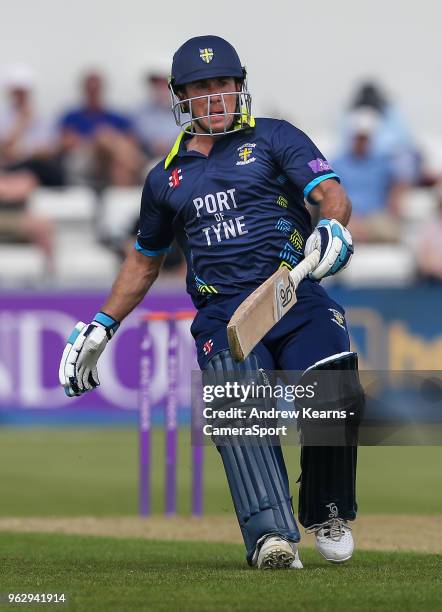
(259, 312)
(263, 308)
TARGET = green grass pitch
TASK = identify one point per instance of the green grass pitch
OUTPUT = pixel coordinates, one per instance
(93, 472)
(101, 574)
(75, 472)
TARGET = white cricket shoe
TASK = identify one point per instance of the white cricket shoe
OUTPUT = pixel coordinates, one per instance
(276, 553)
(333, 540)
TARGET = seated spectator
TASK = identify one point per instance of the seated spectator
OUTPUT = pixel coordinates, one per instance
(97, 143)
(393, 137)
(26, 138)
(16, 223)
(26, 161)
(375, 182)
(429, 244)
(153, 121)
(92, 114)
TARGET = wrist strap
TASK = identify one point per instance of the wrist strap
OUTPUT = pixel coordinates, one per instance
(108, 322)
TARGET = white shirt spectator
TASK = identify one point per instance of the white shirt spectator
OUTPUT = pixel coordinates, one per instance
(36, 134)
(153, 121)
(23, 133)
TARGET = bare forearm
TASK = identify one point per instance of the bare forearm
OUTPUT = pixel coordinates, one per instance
(336, 209)
(134, 280)
(333, 201)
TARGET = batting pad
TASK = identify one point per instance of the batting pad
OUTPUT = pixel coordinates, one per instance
(255, 471)
(258, 484)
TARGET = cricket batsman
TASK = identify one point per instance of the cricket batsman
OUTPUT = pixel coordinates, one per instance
(233, 192)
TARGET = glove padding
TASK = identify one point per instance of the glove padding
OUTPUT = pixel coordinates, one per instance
(78, 366)
(335, 244)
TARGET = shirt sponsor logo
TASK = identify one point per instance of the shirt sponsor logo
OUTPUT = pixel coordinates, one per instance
(319, 165)
(215, 203)
(244, 152)
(175, 178)
(220, 204)
(206, 55)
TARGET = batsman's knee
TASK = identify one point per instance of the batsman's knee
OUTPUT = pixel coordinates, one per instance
(241, 387)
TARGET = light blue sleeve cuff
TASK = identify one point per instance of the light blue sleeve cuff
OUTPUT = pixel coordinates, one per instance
(308, 188)
(149, 253)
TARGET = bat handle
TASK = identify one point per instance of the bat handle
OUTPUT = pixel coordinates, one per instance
(306, 266)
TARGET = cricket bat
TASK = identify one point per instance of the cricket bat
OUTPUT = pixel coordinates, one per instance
(263, 308)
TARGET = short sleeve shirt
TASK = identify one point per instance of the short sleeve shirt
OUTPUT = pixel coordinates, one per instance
(238, 213)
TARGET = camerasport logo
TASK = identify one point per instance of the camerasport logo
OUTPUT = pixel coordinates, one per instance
(175, 178)
(207, 346)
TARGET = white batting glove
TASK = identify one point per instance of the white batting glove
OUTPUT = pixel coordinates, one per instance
(78, 367)
(335, 244)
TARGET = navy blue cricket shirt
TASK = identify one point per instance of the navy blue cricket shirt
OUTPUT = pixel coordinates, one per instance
(238, 213)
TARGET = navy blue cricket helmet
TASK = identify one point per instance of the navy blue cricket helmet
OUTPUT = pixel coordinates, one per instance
(205, 57)
(201, 58)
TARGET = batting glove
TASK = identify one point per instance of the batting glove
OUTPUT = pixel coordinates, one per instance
(78, 367)
(335, 244)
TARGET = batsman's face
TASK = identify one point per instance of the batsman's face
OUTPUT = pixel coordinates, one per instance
(217, 100)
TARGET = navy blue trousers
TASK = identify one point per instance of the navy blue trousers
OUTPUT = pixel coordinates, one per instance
(312, 330)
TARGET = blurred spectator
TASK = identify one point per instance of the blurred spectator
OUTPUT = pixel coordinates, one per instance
(97, 143)
(93, 114)
(153, 121)
(375, 181)
(26, 138)
(429, 245)
(17, 224)
(392, 136)
(26, 161)
(23, 133)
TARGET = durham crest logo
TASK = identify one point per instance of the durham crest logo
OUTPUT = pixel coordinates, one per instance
(245, 153)
(206, 55)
